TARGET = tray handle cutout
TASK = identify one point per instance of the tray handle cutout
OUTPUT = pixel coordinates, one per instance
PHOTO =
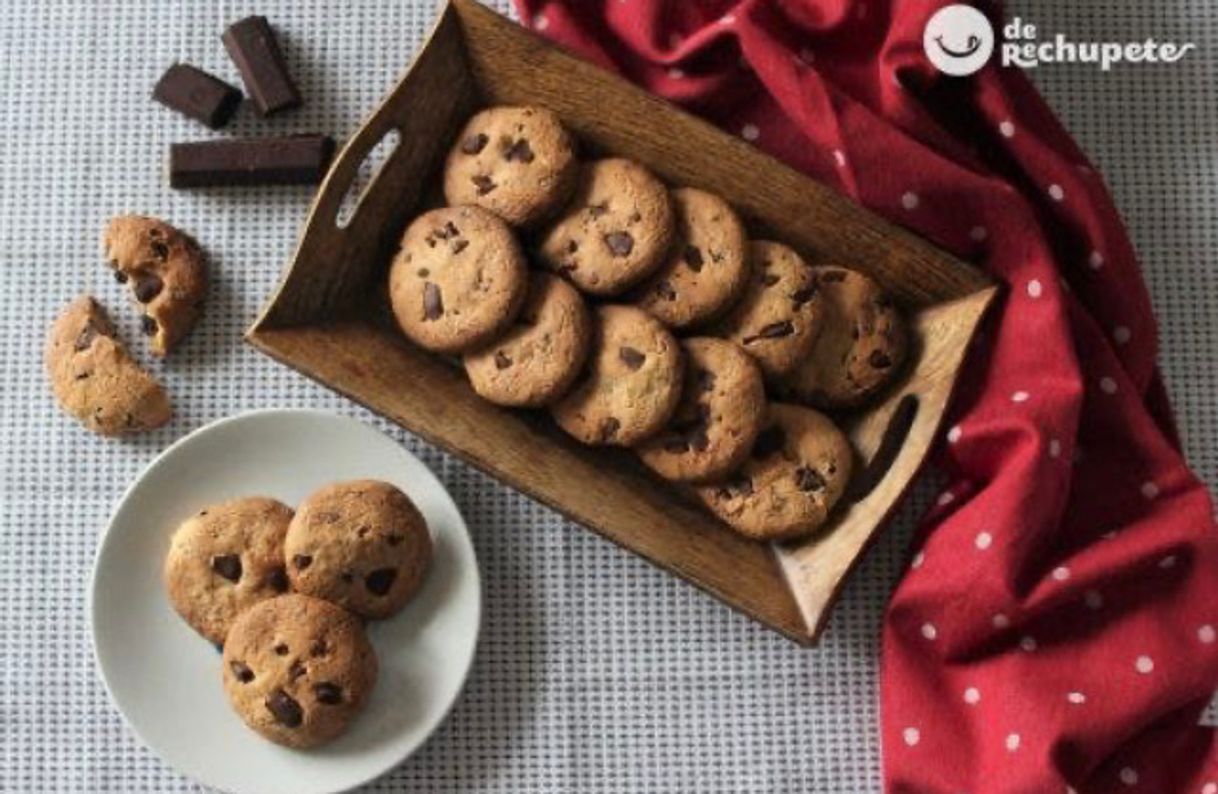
(366, 175)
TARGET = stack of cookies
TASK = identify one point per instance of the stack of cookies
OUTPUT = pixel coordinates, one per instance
(645, 317)
(285, 595)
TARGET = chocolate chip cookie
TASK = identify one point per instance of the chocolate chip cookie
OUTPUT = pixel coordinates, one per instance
(796, 473)
(861, 347)
(517, 162)
(707, 267)
(224, 559)
(616, 230)
(540, 356)
(167, 273)
(360, 544)
(297, 669)
(458, 280)
(631, 384)
(95, 379)
(779, 317)
(721, 411)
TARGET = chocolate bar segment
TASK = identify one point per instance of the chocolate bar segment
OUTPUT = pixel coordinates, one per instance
(252, 46)
(196, 94)
(285, 160)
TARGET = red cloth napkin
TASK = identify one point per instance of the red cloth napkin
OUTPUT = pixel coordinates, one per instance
(1056, 630)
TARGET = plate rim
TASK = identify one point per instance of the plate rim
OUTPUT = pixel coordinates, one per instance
(254, 414)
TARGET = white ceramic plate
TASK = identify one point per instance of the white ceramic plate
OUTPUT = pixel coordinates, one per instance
(165, 679)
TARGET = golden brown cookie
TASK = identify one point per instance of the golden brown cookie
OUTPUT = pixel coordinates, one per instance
(707, 268)
(95, 379)
(517, 162)
(360, 544)
(862, 345)
(631, 384)
(458, 280)
(779, 316)
(721, 411)
(297, 669)
(167, 273)
(799, 468)
(615, 231)
(224, 559)
(539, 357)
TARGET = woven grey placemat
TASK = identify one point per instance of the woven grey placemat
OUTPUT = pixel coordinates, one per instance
(595, 671)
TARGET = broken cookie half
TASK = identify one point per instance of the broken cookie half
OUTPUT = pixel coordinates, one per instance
(167, 273)
(95, 379)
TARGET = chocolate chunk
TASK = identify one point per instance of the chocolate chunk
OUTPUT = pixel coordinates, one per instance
(241, 671)
(769, 279)
(228, 566)
(808, 479)
(197, 95)
(664, 290)
(800, 297)
(281, 649)
(284, 160)
(742, 486)
(769, 441)
(572, 246)
(459, 246)
(620, 243)
(597, 210)
(286, 710)
(772, 331)
(609, 428)
(302, 561)
(379, 581)
(474, 143)
(120, 277)
(485, 183)
(148, 325)
(693, 257)
(519, 151)
(502, 361)
(631, 357)
(879, 359)
(318, 648)
(433, 303)
(86, 336)
(252, 45)
(330, 694)
(147, 286)
(296, 670)
(277, 579)
(159, 249)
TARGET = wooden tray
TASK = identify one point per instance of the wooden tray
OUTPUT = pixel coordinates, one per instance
(327, 318)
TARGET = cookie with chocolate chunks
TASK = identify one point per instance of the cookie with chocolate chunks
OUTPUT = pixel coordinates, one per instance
(707, 268)
(361, 544)
(779, 317)
(538, 358)
(798, 470)
(298, 670)
(517, 162)
(721, 411)
(95, 380)
(458, 280)
(224, 559)
(861, 348)
(615, 231)
(630, 385)
(166, 271)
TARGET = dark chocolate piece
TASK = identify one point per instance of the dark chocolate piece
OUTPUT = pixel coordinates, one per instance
(197, 95)
(286, 160)
(252, 46)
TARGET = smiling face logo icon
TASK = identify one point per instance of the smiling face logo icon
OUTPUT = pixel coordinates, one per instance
(959, 40)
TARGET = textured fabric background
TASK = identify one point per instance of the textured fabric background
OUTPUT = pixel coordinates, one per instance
(595, 672)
